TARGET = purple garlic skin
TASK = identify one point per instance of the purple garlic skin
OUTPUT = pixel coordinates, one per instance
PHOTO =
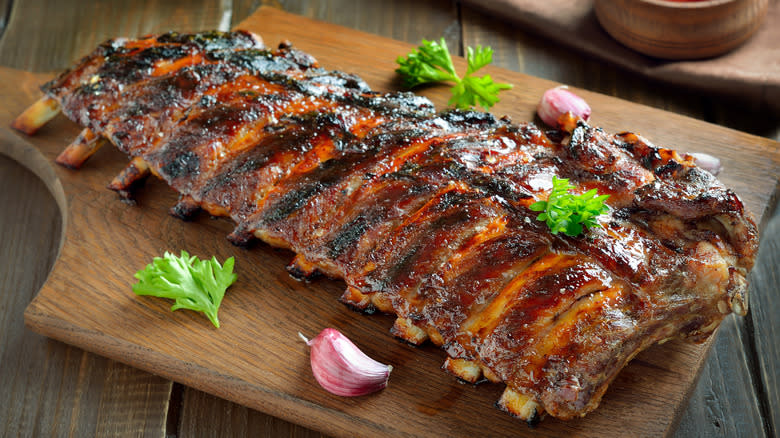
(707, 162)
(342, 369)
(560, 108)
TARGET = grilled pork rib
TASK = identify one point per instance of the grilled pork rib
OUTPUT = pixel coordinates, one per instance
(425, 214)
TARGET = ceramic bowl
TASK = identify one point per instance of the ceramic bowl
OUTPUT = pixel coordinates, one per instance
(681, 29)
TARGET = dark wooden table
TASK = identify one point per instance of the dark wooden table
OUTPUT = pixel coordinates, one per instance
(48, 388)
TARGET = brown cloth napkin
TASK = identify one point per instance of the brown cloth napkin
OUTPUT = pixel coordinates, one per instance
(751, 71)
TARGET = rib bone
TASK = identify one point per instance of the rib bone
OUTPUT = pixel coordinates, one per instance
(136, 171)
(521, 406)
(36, 115)
(86, 144)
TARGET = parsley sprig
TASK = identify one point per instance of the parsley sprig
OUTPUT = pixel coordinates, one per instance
(195, 284)
(431, 62)
(568, 213)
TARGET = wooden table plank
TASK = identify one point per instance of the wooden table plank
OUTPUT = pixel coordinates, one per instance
(724, 402)
(764, 326)
(51, 388)
(405, 20)
(135, 404)
(206, 415)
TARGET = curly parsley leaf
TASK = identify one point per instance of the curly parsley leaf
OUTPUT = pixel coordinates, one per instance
(569, 213)
(431, 62)
(195, 284)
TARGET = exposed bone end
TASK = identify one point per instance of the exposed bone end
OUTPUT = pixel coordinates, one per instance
(464, 369)
(86, 144)
(490, 375)
(257, 39)
(129, 178)
(302, 269)
(520, 406)
(185, 209)
(241, 236)
(366, 303)
(36, 115)
(405, 329)
(357, 300)
(737, 290)
(435, 336)
(260, 233)
(738, 307)
(382, 302)
(134, 172)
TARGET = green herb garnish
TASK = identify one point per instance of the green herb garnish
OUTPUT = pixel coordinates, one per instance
(567, 212)
(431, 62)
(195, 284)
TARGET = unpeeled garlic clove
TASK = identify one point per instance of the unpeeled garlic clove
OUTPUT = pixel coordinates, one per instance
(341, 368)
(707, 162)
(560, 108)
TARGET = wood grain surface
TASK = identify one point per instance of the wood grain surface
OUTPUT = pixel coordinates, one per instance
(255, 359)
(53, 389)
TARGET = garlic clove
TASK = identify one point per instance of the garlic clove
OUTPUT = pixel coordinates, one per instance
(707, 162)
(560, 108)
(341, 368)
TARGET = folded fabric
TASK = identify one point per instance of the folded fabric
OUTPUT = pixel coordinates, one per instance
(751, 71)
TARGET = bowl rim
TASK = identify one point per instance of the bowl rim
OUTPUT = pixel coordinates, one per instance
(697, 4)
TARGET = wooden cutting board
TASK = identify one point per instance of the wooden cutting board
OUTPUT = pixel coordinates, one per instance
(256, 358)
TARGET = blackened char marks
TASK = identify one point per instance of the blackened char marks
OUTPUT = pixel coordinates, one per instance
(593, 149)
(256, 61)
(319, 82)
(220, 132)
(500, 186)
(460, 119)
(155, 107)
(212, 40)
(349, 234)
(134, 68)
(396, 254)
(65, 82)
(103, 79)
(377, 207)
(309, 185)
(240, 182)
(292, 201)
(691, 196)
(215, 125)
(180, 165)
(403, 104)
(360, 164)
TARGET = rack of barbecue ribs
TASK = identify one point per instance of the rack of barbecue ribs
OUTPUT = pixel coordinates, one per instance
(424, 214)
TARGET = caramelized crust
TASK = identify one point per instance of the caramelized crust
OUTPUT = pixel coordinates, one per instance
(426, 214)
